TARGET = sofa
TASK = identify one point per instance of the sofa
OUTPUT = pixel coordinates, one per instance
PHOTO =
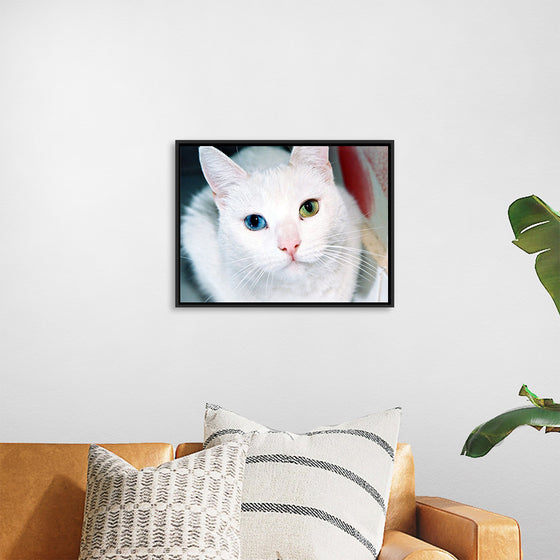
(42, 493)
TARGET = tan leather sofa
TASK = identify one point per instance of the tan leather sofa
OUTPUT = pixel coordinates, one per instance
(42, 492)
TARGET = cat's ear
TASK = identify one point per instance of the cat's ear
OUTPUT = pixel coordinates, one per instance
(220, 171)
(314, 156)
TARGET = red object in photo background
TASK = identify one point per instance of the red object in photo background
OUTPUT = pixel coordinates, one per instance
(359, 164)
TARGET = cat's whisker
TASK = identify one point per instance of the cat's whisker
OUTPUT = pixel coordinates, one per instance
(349, 258)
(345, 239)
(373, 228)
(340, 252)
(358, 230)
(347, 250)
(242, 270)
(364, 274)
(353, 249)
(257, 280)
(344, 248)
(245, 278)
(244, 283)
(240, 259)
(364, 267)
(254, 279)
(244, 267)
(334, 242)
(344, 259)
(266, 286)
(348, 235)
(367, 274)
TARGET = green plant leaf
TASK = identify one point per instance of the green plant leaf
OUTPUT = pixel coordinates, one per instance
(536, 227)
(537, 401)
(483, 438)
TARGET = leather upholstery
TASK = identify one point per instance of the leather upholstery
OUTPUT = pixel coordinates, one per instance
(467, 532)
(401, 509)
(42, 492)
(187, 448)
(400, 546)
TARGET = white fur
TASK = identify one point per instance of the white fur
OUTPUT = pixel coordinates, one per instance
(235, 264)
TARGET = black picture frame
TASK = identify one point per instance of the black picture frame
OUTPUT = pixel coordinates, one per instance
(186, 163)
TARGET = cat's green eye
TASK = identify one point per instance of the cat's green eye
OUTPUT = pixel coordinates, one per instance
(309, 208)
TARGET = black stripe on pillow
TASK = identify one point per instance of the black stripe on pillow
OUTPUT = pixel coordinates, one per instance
(221, 433)
(311, 512)
(360, 433)
(315, 463)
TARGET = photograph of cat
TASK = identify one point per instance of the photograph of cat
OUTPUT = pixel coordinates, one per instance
(271, 224)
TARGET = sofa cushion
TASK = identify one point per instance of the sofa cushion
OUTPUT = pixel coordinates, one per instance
(186, 509)
(322, 494)
(42, 492)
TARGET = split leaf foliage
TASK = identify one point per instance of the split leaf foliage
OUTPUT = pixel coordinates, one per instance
(543, 413)
(536, 227)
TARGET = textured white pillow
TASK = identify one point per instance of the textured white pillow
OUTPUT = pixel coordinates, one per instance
(321, 495)
(187, 509)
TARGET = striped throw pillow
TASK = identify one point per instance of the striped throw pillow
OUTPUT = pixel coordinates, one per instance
(187, 509)
(313, 496)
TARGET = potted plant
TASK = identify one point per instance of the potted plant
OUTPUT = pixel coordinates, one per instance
(537, 230)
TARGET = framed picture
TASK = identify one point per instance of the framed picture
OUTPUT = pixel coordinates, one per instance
(297, 223)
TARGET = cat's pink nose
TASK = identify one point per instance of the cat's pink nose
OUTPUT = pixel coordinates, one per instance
(290, 246)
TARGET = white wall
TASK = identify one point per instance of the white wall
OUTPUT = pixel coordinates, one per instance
(93, 96)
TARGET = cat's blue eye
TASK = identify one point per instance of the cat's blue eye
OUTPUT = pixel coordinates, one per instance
(255, 222)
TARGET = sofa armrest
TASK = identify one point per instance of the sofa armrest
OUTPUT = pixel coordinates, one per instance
(467, 532)
(401, 546)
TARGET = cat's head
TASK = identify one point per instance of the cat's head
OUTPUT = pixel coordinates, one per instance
(282, 219)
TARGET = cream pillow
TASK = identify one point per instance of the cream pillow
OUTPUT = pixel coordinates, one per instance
(187, 509)
(321, 495)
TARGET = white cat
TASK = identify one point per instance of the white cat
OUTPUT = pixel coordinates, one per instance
(273, 227)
